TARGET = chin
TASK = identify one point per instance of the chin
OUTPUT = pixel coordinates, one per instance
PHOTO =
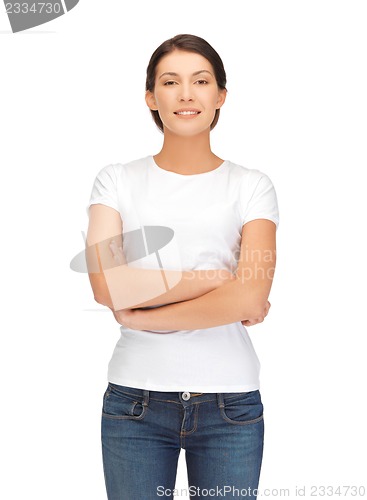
(187, 131)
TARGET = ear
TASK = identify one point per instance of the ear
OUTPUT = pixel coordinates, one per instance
(222, 94)
(150, 100)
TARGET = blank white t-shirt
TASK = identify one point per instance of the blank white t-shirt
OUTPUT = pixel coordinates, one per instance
(205, 213)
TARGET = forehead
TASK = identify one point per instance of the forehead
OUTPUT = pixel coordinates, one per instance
(183, 62)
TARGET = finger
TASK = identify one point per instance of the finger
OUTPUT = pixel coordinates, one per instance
(112, 246)
(248, 322)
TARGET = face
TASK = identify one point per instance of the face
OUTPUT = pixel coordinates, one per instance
(186, 89)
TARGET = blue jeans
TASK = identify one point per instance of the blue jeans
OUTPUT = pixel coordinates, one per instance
(143, 432)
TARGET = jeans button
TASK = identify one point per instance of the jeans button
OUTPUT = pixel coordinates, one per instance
(185, 396)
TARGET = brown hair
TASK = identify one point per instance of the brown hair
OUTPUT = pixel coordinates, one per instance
(188, 43)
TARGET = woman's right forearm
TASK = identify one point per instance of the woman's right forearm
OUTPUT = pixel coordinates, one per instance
(120, 286)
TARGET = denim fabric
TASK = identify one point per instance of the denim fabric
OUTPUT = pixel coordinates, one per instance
(143, 432)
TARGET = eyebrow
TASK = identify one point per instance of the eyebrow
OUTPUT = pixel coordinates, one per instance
(171, 73)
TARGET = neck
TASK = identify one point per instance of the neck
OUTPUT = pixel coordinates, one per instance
(187, 155)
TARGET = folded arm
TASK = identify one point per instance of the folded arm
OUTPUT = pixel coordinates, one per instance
(118, 286)
(245, 297)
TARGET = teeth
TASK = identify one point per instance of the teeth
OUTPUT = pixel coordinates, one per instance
(187, 113)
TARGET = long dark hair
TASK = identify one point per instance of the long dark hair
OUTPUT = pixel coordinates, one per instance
(188, 43)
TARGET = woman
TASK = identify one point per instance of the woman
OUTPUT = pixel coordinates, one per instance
(199, 238)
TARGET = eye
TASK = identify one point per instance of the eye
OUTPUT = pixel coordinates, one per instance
(171, 82)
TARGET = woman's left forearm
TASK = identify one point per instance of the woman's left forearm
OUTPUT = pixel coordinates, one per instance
(226, 304)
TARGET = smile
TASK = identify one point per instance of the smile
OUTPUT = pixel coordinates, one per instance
(187, 115)
(187, 112)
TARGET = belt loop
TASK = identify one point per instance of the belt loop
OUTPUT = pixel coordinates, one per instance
(220, 399)
(146, 397)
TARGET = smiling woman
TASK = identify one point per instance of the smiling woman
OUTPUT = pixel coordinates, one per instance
(184, 372)
(164, 62)
(186, 88)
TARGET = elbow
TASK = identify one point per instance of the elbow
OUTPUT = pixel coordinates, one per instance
(103, 301)
(261, 305)
(97, 299)
(254, 309)
(100, 289)
(259, 311)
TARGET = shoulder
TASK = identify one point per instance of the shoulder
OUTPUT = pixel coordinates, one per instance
(119, 169)
(257, 194)
(249, 177)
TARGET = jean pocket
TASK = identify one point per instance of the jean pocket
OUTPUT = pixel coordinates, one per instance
(122, 405)
(242, 408)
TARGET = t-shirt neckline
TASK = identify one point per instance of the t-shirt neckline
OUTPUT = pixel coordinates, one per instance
(169, 172)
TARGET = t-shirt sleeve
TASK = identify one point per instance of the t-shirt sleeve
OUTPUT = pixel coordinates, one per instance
(104, 189)
(259, 199)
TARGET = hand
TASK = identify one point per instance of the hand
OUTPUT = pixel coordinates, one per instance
(260, 319)
(118, 255)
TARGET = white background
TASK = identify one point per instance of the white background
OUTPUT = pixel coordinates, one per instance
(72, 101)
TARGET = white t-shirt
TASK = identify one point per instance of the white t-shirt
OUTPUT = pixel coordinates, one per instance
(206, 213)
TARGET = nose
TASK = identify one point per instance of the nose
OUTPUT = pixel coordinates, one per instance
(186, 93)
